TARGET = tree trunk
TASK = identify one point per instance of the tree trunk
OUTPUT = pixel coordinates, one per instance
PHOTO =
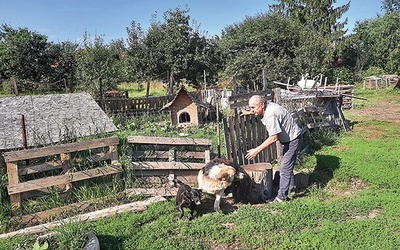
(256, 187)
(171, 83)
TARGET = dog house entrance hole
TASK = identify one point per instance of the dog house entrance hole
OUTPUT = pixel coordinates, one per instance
(184, 117)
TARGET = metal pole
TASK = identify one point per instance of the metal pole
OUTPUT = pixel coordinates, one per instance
(24, 141)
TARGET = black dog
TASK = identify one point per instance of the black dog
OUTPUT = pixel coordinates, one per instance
(187, 197)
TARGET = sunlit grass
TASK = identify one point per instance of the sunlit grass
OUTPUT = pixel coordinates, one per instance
(136, 90)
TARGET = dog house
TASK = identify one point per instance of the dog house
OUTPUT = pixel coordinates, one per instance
(186, 110)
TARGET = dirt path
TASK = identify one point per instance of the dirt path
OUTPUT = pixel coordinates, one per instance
(387, 110)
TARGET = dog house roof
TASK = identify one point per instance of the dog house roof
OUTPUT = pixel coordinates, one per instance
(196, 101)
(50, 119)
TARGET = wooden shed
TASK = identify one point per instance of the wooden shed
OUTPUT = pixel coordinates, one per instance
(49, 119)
(186, 110)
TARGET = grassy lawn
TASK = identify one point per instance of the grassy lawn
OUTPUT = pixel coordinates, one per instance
(353, 202)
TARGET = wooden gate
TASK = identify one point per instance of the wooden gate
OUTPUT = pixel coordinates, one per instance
(246, 132)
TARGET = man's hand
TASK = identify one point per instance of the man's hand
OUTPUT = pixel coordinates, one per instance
(246, 112)
(251, 154)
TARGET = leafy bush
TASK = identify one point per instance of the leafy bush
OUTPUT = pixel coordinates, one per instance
(342, 74)
(373, 71)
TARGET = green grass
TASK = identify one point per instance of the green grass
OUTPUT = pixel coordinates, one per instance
(352, 203)
(140, 89)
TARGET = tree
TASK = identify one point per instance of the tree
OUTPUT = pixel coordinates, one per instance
(171, 47)
(377, 42)
(139, 65)
(320, 16)
(390, 5)
(64, 64)
(272, 42)
(23, 55)
(99, 65)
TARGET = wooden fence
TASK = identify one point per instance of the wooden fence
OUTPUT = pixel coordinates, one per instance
(59, 166)
(245, 132)
(133, 106)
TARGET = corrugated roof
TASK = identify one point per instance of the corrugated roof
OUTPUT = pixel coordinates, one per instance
(50, 119)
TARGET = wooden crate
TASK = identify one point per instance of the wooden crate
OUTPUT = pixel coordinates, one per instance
(168, 156)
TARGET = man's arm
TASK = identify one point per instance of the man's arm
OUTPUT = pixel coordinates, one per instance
(252, 153)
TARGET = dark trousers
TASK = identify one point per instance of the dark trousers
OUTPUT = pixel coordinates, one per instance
(288, 160)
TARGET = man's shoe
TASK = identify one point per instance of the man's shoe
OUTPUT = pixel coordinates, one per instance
(276, 200)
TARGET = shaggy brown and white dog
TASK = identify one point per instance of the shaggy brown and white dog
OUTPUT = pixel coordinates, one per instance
(215, 177)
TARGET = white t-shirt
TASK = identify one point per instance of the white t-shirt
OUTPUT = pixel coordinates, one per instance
(278, 121)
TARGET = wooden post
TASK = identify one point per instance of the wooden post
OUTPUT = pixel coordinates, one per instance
(114, 154)
(218, 130)
(205, 81)
(147, 89)
(23, 129)
(234, 85)
(264, 76)
(15, 86)
(65, 85)
(101, 88)
(65, 157)
(172, 154)
(13, 178)
(277, 100)
(24, 140)
(337, 82)
(207, 155)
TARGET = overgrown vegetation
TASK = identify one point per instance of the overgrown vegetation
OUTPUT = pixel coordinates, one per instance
(351, 203)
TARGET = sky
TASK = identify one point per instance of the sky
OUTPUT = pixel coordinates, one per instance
(68, 20)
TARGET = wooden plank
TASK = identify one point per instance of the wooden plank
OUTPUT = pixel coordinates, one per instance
(92, 216)
(59, 149)
(62, 179)
(40, 167)
(46, 166)
(265, 93)
(164, 154)
(231, 134)
(190, 174)
(147, 165)
(153, 140)
(152, 191)
(227, 138)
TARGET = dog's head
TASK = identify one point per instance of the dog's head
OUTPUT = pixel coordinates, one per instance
(239, 175)
(195, 196)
